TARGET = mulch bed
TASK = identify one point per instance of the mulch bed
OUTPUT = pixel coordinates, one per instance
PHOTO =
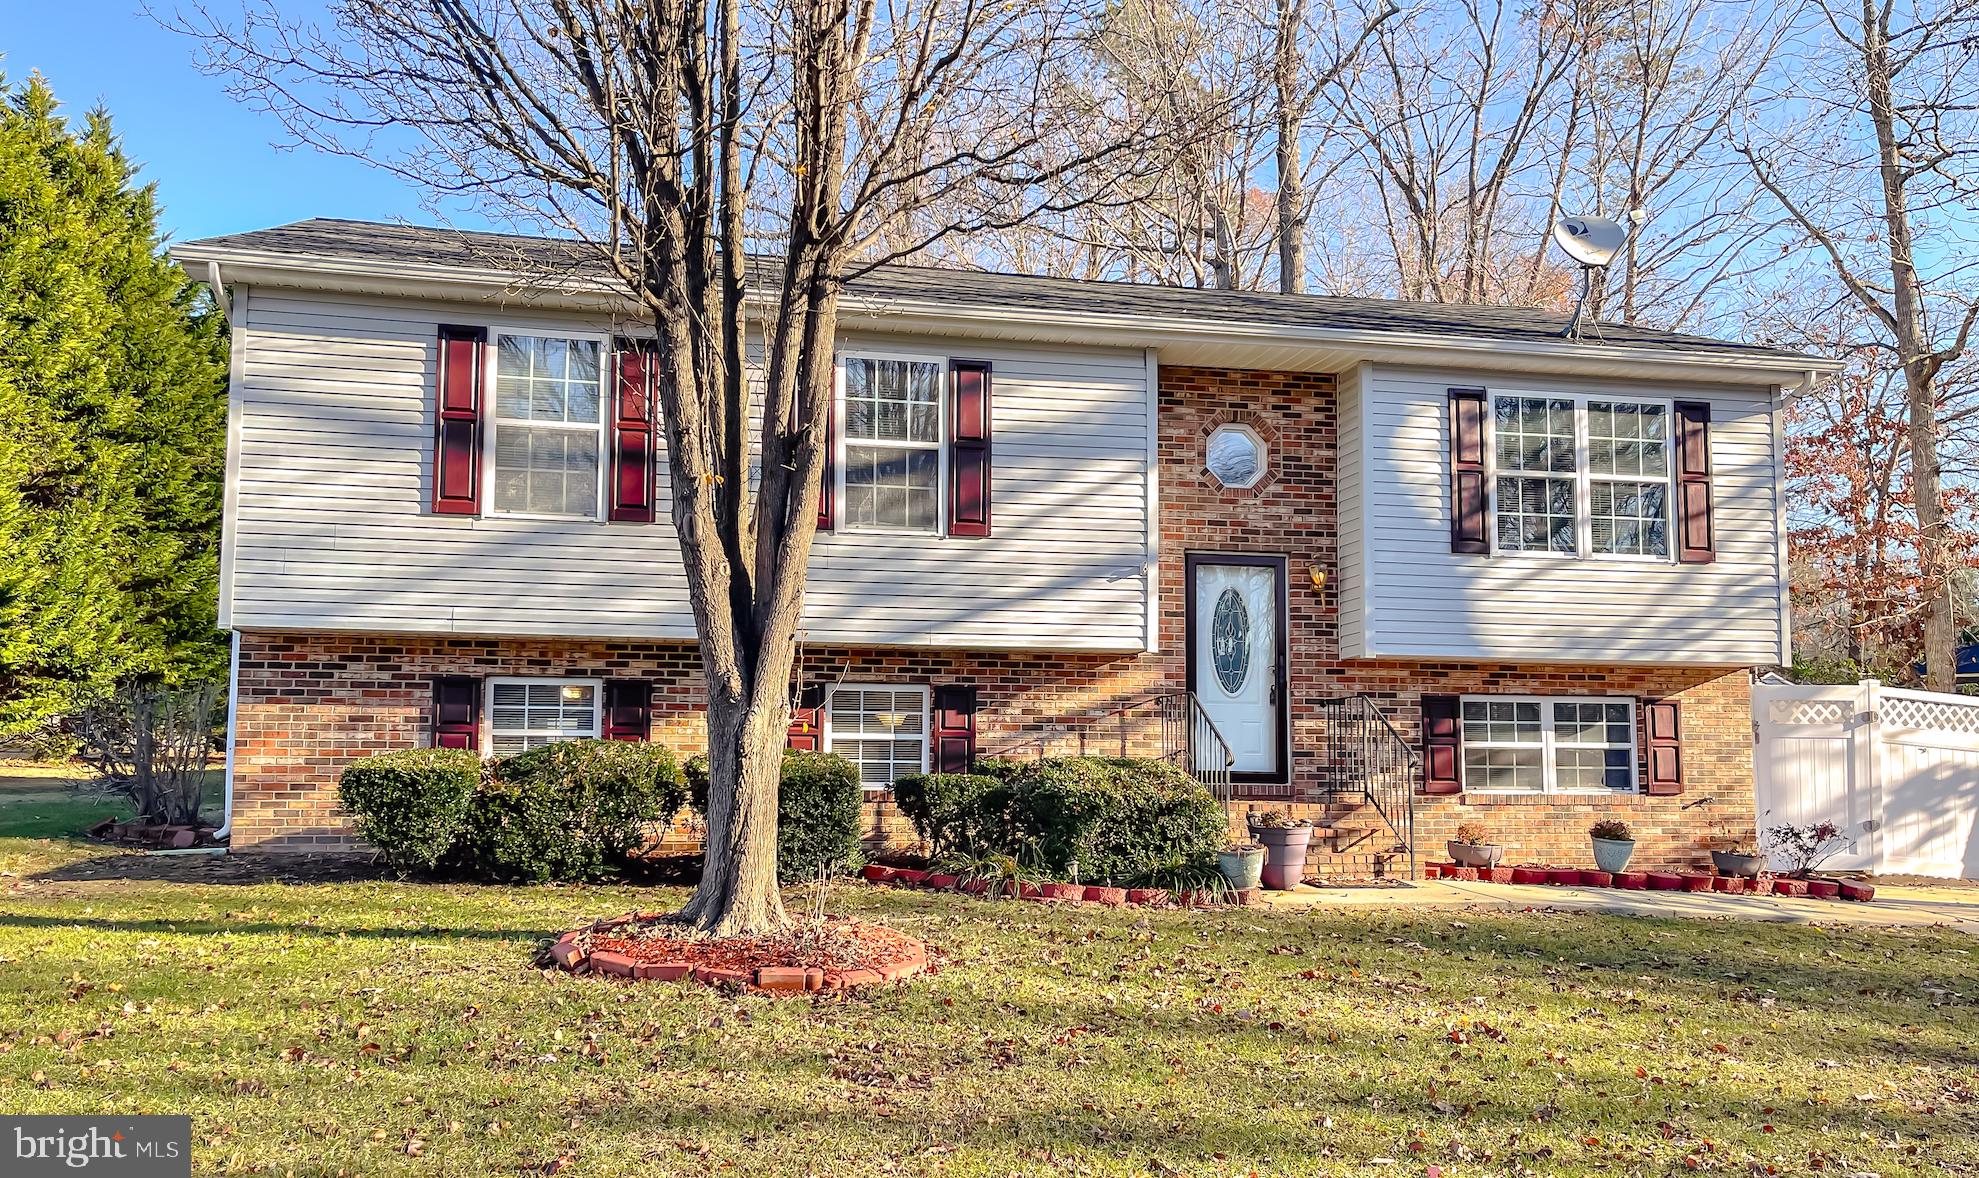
(841, 954)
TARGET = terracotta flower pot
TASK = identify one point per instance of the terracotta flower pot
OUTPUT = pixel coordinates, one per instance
(1284, 855)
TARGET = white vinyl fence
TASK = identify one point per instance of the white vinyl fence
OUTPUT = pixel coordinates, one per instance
(1897, 771)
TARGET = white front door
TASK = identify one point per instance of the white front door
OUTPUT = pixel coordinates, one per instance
(1236, 659)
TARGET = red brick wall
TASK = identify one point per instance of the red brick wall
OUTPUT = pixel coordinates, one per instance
(308, 703)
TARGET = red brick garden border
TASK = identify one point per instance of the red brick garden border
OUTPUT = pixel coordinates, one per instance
(1062, 892)
(571, 953)
(1659, 881)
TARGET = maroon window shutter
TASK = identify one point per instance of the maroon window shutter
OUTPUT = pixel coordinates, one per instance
(807, 722)
(1467, 490)
(1442, 745)
(457, 421)
(628, 710)
(1693, 436)
(1665, 762)
(457, 712)
(955, 729)
(969, 448)
(632, 434)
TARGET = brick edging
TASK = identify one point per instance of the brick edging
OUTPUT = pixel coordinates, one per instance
(1062, 893)
(1659, 881)
(570, 952)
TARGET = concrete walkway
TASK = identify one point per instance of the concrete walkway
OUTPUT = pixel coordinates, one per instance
(1956, 908)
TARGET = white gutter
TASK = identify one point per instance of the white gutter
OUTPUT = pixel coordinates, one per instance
(233, 708)
(442, 281)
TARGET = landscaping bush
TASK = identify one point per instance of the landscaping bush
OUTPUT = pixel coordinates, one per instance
(572, 810)
(411, 804)
(819, 802)
(942, 806)
(1116, 818)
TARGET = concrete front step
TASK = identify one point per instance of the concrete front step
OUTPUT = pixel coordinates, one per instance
(1350, 838)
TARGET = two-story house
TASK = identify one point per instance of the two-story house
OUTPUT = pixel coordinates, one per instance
(1550, 564)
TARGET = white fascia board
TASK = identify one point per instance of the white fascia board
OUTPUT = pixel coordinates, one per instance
(942, 317)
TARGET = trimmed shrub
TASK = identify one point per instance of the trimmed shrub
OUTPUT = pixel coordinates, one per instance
(1115, 817)
(942, 806)
(572, 810)
(411, 804)
(819, 801)
(817, 815)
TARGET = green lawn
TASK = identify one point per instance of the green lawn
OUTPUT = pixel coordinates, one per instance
(374, 1026)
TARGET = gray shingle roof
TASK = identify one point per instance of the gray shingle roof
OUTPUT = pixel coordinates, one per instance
(389, 245)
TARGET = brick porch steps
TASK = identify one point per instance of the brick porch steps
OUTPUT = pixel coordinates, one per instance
(1350, 839)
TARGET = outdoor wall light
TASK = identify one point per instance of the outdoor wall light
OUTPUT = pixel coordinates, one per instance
(1316, 575)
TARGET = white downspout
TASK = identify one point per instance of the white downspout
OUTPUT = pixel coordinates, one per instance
(226, 827)
(233, 706)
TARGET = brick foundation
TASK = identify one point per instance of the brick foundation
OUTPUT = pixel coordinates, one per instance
(308, 703)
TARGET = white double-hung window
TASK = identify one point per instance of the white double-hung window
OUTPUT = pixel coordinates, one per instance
(529, 713)
(1549, 744)
(891, 458)
(882, 729)
(1581, 476)
(546, 436)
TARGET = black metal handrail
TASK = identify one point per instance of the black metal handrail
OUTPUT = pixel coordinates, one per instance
(1169, 725)
(1366, 755)
(1189, 738)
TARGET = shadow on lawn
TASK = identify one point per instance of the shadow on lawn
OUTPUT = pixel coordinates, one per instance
(251, 869)
(270, 927)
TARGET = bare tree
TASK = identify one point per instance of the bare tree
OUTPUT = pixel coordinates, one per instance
(1648, 128)
(1310, 50)
(666, 138)
(1446, 117)
(1877, 174)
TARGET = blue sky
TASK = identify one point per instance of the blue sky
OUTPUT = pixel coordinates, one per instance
(214, 161)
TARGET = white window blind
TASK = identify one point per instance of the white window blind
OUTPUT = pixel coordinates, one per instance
(528, 713)
(882, 730)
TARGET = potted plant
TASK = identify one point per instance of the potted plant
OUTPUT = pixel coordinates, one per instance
(1803, 846)
(1614, 842)
(1469, 848)
(1740, 856)
(1285, 842)
(1242, 865)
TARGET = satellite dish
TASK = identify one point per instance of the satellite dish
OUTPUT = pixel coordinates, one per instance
(1591, 241)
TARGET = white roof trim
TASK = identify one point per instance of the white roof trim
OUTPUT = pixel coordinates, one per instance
(943, 317)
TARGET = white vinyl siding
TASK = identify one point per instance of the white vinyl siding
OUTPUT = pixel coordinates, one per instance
(881, 729)
(524, 714)
(332, 528)
(1414, 598)
(1542, 744)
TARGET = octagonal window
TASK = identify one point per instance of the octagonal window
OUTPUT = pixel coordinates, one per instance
(1235, 456)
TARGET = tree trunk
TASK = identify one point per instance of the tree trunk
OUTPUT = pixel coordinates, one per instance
(1920, 360)
(1291, 170)
(738, 892)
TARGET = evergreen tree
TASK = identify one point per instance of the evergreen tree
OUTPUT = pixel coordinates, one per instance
(112, 425)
